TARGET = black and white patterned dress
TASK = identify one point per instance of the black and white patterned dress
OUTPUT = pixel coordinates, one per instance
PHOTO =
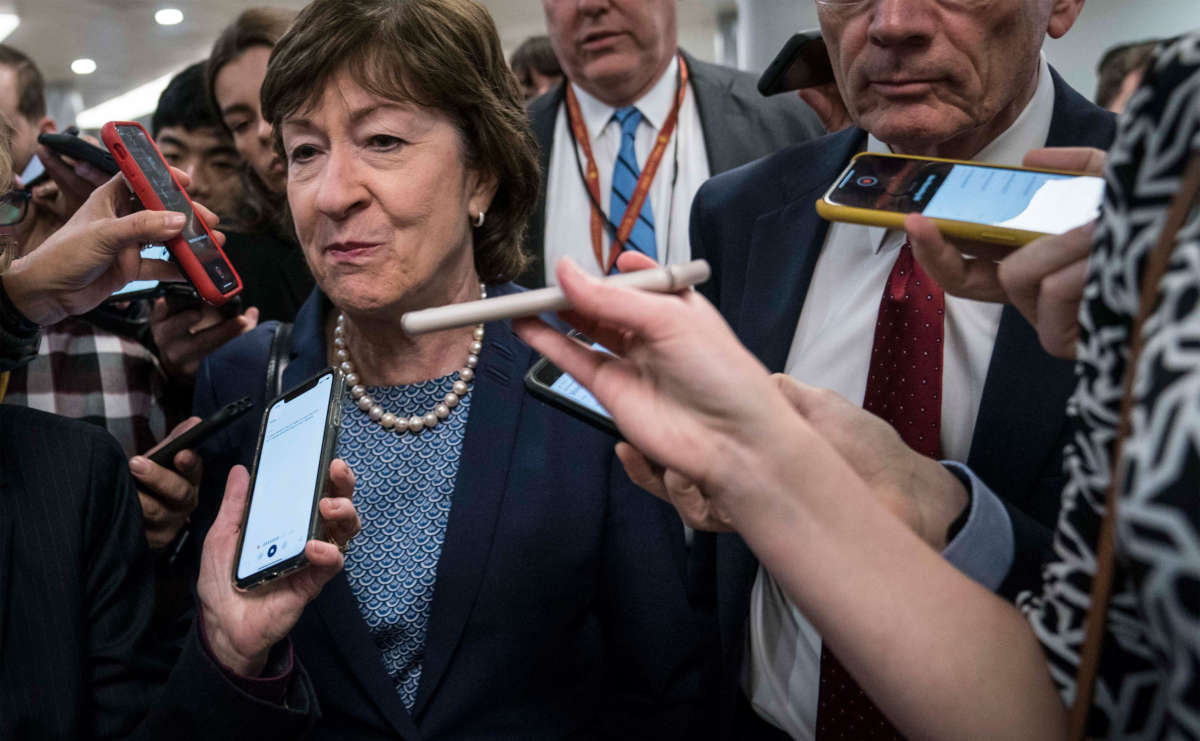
(1149, 685)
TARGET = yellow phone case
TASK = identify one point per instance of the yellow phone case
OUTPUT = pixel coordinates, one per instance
(955, 229)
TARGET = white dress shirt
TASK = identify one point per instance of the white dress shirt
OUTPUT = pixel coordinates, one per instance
(683, 169)
(832, 349)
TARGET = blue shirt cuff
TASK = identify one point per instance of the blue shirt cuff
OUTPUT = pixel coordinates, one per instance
(983, 549)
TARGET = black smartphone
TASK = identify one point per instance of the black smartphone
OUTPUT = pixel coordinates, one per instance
(548, 383)
(182, 296)
(803, 62)
(296, 444)
(219, 420)
(80, 150)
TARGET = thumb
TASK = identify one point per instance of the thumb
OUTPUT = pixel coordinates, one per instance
(233, 505)
(139, 228)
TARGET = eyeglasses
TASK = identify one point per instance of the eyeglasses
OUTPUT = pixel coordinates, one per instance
(13, 207)
(853, 6)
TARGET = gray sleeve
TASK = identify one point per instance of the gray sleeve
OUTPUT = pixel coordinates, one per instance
(983, 549)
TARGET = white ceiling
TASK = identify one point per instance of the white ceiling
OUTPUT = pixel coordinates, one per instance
(130, 48)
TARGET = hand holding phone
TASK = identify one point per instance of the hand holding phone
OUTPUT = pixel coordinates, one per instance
(241, 627)
(966, 200)
(186, 329)
(548, 383)
(196, 250)
(291, 474)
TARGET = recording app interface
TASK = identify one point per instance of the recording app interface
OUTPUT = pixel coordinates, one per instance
(281, 500)
(144, 152)
(566, 386)
(1015, 199)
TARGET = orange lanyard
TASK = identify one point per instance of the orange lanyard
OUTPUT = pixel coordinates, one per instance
(645, 180)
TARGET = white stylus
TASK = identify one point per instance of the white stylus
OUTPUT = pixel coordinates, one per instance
(667, 279)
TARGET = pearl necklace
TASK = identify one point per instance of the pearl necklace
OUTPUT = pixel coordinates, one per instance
(417, 422)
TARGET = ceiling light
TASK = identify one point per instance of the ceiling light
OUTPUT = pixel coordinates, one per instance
(168, 16)
(126, 106)
(83, 66)
(8, 24)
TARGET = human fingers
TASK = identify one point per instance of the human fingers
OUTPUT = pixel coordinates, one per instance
(341, 520)
(622, 307)
(571, 356)
(1021, 274)
(1071, 159)
(172, 490)
(136, 229)
(944, 262)
(641, 471)
(631, 261)
(695, 509)
(1058, 309)
(222, 536)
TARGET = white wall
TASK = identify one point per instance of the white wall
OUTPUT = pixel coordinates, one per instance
(1106, 23)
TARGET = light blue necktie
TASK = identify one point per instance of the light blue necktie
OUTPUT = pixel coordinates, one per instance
(624, 181)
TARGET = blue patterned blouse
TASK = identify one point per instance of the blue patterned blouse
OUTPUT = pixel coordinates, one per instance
(404, 483)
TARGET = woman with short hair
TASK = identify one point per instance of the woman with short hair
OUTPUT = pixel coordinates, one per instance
(510, 582)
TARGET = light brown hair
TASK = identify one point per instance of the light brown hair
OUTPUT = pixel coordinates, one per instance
(441, 54)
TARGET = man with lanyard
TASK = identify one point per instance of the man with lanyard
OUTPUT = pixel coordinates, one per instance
(637, 128)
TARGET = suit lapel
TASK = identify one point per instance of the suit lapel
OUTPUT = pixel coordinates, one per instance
(712, 100)
(784, 247)
(478, 496)
(347, 632)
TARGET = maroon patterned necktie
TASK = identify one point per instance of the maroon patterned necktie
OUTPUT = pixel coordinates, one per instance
(904, 387)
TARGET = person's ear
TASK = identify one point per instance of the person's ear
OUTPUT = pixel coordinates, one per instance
(482, 185)
(1063, 14)
(46, 125)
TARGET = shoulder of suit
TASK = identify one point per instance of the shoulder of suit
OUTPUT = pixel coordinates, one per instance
(742, 87)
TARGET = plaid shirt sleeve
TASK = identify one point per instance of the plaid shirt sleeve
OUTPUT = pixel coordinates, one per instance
(86, 372)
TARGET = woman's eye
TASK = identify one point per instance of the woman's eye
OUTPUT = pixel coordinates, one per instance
(384, 142)
(302, 153)
(238, 127)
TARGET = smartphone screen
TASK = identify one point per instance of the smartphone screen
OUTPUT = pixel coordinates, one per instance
(567, 387)
(1049, 203)
(286, 478)
(143, 151)
(149, 252)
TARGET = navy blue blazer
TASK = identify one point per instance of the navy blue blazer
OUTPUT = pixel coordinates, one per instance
(759, 228)
(559, 609)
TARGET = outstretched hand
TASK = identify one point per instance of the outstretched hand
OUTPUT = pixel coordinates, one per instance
(242, 626)
(663, 406)
(95, 253)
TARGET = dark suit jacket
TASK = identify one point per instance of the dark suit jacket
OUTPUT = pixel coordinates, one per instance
(76, 593)
(759, 228)
(739, 124)
(560, 608)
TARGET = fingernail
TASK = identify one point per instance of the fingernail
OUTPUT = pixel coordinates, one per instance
(139, 465)
(173, 220)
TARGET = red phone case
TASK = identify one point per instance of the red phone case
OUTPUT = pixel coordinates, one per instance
(191, 266)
